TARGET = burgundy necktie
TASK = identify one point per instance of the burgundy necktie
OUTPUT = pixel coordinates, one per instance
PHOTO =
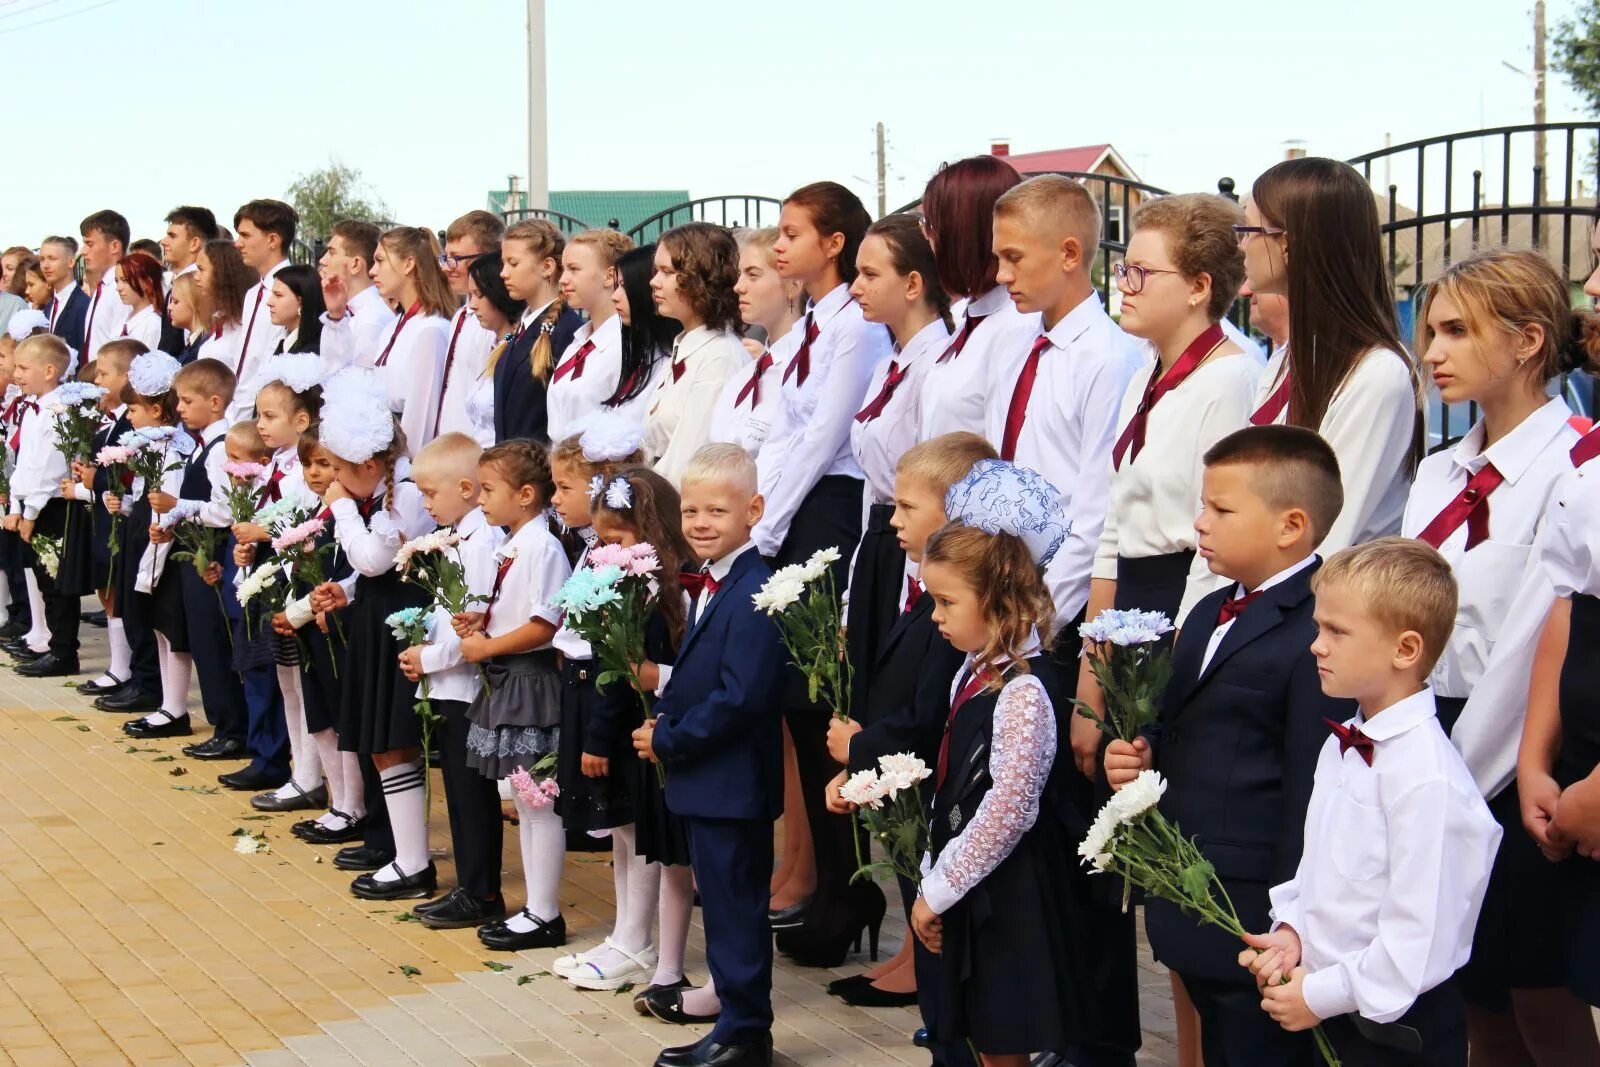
(677, 369)
(271, 492)
(250, 327)
(88, 325)
(913, 592)
(695, 581)
(800, 365)
(974, 684)
(23, 406)
(1587, 448)
(574, 366)
(1471, 506)
(961, 338)
(449, 358)
(55, 303)
(1232, 607)
(1017, 413)
(383, 357)
(494, 594)
(890, 382)
(1159, 386)
(1352, 737)
(752, 388)
(1268, 413)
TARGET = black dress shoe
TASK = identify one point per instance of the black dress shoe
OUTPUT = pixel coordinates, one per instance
(460, 910)
(129, 700)
(314, 833)
(300, 800)
(424, 883)
(145, 729)
(362, 858)
(21, 654)
(217, 748)
(641, 998)
(707, 1053)
(253, 779)
(51, 665)
(667, 1005)
(17, 646)
(552, 934)
(93, 688)
(838, 986)
(867, 995)
(93, 618)
(790, 917)
(15, 628)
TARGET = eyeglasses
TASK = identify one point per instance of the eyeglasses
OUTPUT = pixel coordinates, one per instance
(1131, 276)
(1244, 233)
(926, 226)
(449, 262)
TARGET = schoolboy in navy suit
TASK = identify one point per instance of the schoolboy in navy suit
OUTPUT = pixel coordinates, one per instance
(718, 735)
(1244, 720)
(69, 305)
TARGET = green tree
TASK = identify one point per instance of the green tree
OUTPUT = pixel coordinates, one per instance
(1577, 51)
(329, 194)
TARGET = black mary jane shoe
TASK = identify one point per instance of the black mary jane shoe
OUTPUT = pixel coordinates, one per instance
(93, 688)
(501, 938)
(299, 800)
(792, 916)
(667, 1005)
(314, 833)
(362, 858)
(641, 998)
(145, 730)
(460, 910)
(217, 748)
(424, 883)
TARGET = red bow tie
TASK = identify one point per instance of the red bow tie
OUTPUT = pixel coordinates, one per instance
(695, 581)
(1352, 737)
(1232, 607)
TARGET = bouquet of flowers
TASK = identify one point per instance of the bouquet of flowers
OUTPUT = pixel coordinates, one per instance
(297, 548)
(263, 584)
(244, 489)
(198, 543)
(810, 615)
(606, 602)
(116, 461)
(48, 551)
(76, 410)
(1131, 671)
(155, 452)
(534, 786)
(410, 627)
(1132, 838)
(433, 562)
(890, 806)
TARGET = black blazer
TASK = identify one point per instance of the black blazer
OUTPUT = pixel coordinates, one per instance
(1238, 745)
(908, 696)
(172, 340)
(71, 319)
(520, 408)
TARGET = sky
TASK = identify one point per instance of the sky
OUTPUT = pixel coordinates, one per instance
(215, 102)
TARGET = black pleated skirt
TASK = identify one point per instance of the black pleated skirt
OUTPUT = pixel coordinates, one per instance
(322, 680)
(1580, 753)
(1153, 583)
(161, 609)
(877, 592)
(588, 804)
(829, 517)
(377, 705)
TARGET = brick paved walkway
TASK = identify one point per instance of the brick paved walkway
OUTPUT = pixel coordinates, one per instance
(131, 932)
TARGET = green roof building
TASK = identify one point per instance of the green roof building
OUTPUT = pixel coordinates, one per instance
(597, 207)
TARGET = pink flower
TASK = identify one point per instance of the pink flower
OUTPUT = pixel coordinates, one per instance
(640, 566)
(534, 792)
(244, 471)
(113, 454)
(608, 556)
(296, 534)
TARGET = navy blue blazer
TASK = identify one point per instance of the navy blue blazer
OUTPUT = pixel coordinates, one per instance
(70, 321)
(1238, 745)
(719, 725)
(908, 694)
(520, 406)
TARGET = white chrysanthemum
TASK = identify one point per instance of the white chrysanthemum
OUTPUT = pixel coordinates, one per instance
(1095, 848)
(608, 437)
(1126, 628)
(780, 592)
(619, 495)
(297, 370)
(357, 428)
(258, 580)
(22, 323)
(1137, 797)
(822, 558)
(904, 768)
(151, 374)
(863, 789)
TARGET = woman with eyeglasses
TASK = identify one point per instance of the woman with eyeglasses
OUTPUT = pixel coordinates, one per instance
(957, 217)
(1311, 234)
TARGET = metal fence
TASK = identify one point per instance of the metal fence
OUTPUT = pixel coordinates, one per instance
(567, 224)
(735, 211)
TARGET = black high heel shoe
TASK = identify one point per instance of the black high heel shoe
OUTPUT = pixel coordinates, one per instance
(814, 945)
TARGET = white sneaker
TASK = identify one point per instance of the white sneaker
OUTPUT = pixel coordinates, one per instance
(634, 967)
(566, 966)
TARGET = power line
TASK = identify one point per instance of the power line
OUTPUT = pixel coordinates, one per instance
(53, 18)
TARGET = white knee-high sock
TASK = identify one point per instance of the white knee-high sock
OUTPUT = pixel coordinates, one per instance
(404, 794)
(175, 668)
(644, 883)
(675, 909)
(304, 760)
(38, 636)
(621, 871)
(327, 743)
(121, 655)
(355, 790)
(544, 850)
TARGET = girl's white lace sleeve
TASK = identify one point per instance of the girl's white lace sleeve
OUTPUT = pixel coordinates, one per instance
(1022, 752)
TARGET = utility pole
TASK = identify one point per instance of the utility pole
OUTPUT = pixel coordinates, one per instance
(883, 171)
(538, 112)
(1538, 115)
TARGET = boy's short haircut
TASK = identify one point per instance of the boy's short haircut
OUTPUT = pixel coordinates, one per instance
(359, 238)
(270, 216)
(46, 348)
(208, 377)
(149, 247)
(200, 221)
(1060, 206)
(248, 438)
(1403, 583)
(722, 463)
(121, 352)
(483, 228)
(944, 460)
(109, 223)
(69, 243)
(1294, 468)
(450, 455)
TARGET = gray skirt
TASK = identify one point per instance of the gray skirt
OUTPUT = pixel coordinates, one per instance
(515, 720)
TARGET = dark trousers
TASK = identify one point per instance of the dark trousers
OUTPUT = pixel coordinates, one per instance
(210, 643)
(144, 666)
(477, 831)
(732, 861)
(266, 731)
(21, 611)
(1432, 1034)
(375, 829)
(1235, 1032)
(60, 608)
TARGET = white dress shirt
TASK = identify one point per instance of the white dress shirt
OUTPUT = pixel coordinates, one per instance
(478, 404)
(153, 560)
(449, 675)
(144, 325)
(104, 318)
(466, 354)
(1396, 862)
(58, 302)
(811, 438)
(1368, 425)
(413, 374)
(258, 338)
(40, 466)
(679, 418)
(1569, 545)
(223, 346)
(1222, 631)
(1155, 495)
(1069, 430)
(1503, 594)
(358, 336)
(583, 391)
(718, 570)
(878, 443)
(956, 392)
(747, 422)
(527, 593)
(370, 544)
